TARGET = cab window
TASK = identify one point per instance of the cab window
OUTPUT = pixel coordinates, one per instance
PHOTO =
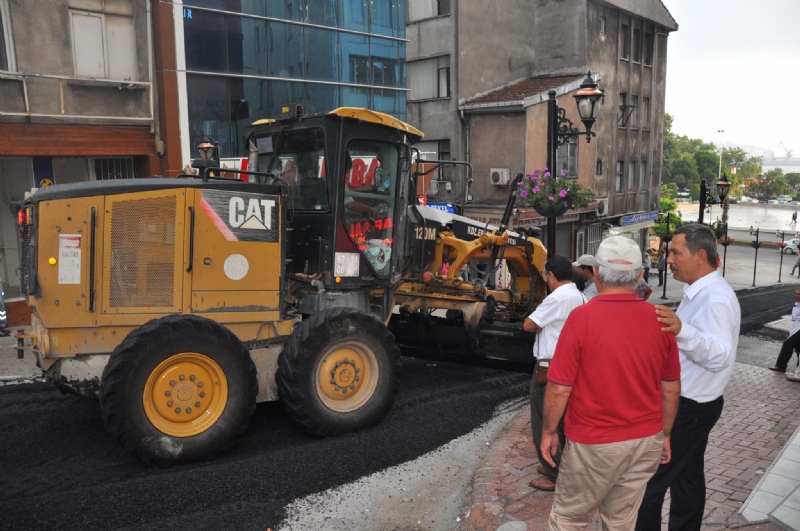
(297, 157)
(371, 176)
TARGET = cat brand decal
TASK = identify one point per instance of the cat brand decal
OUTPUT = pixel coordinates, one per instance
(241, 216)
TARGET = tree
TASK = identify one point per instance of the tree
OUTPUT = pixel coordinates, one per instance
(660, 227)
(694, 192)
(793, 178)
(685, 171)
(707, 165)
(669, 190)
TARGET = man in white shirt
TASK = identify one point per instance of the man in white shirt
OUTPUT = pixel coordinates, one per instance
(706, 326)
(586, 263)
(547, 321)
(792, 343)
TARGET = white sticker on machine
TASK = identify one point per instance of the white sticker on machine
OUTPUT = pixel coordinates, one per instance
(236, 267)
(346, 264)
(69, 258)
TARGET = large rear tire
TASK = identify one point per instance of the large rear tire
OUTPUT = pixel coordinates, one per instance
(178, 389)
(338, 372)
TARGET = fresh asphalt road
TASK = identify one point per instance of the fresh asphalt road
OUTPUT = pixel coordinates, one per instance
(61, 469)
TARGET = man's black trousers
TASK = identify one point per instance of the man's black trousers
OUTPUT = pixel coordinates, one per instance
(684, 474)
(791, 345)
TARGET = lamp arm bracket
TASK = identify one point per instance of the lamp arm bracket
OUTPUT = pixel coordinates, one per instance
(565, 129)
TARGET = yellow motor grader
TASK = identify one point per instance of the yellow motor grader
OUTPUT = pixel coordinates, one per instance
(183, 302)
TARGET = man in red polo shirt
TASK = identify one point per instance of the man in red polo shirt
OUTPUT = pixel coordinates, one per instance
(620, 375)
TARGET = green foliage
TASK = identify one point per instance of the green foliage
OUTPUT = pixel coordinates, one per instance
(770, 185)
(707, 165)
(694, 192)
(660, 227)
(667, 204)
(793, 178)
(669, 190)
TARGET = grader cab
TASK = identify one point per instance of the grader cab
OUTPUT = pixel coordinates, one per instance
(183, 302)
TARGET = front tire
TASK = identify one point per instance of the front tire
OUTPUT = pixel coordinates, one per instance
(338, 372)
(178, 389)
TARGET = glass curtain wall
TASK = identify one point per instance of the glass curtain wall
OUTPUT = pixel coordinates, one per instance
(246, 58)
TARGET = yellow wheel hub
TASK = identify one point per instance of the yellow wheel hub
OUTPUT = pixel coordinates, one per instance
(347, 376)
(185, 395)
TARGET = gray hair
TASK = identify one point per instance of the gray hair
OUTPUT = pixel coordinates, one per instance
(700, 237)
(613, 278)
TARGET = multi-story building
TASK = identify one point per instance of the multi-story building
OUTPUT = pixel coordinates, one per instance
(76, 101)
(222, 64)
(485, 71)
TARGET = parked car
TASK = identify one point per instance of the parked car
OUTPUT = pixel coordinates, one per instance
(772, 202)
(791, 246)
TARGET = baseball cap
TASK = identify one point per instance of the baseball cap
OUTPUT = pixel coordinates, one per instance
(584, 260)
(619, 248)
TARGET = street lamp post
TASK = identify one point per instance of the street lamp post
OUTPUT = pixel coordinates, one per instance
(705, 195)
(725, 202)
(756, 244)
(782, 234)
(667, 239)
(560, 129)
(725, 243)
(209, 157)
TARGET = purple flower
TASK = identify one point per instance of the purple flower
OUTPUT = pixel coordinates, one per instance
(563, 193)
(547, 175)
(523, 193)
(535, 190)
(563, 172)
(550, 197)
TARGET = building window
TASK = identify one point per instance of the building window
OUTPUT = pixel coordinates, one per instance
(648, 48)
(637, 45)
(645, 113)
(634, 107)
(642, 169)
(602, 25)
(103, 41)
(618, 181)
(624, 41)
(631, 172)
(444, 82)
(567, 158)
(429, 78)
(598, 169)
(7, 56)
(623, 108)
(113, 168)
(422, 9)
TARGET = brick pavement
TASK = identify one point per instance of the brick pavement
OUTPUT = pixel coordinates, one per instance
(759, 417)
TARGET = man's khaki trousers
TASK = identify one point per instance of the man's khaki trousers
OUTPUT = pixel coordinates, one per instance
(609, 477)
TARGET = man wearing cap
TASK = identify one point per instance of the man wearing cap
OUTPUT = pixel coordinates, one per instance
(586, 263)
(622, 398)
(706, 326)
(547, 321)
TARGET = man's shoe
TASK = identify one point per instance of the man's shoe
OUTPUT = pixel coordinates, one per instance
(540, 469)
(543, 484)
(778, 369)
(792, 377)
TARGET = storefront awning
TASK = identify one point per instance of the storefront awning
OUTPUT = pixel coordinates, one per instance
(615, 230)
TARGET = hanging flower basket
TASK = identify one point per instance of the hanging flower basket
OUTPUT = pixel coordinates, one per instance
(551, 196)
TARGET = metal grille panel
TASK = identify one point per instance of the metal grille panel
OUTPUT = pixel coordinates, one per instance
(25, 259)
(143, 253)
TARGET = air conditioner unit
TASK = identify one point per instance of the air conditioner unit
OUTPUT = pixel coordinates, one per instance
(499, 176)
(602, 207)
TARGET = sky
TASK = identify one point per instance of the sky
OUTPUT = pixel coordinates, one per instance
(735, 65)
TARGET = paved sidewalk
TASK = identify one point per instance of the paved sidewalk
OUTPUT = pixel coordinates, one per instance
(759, 417)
